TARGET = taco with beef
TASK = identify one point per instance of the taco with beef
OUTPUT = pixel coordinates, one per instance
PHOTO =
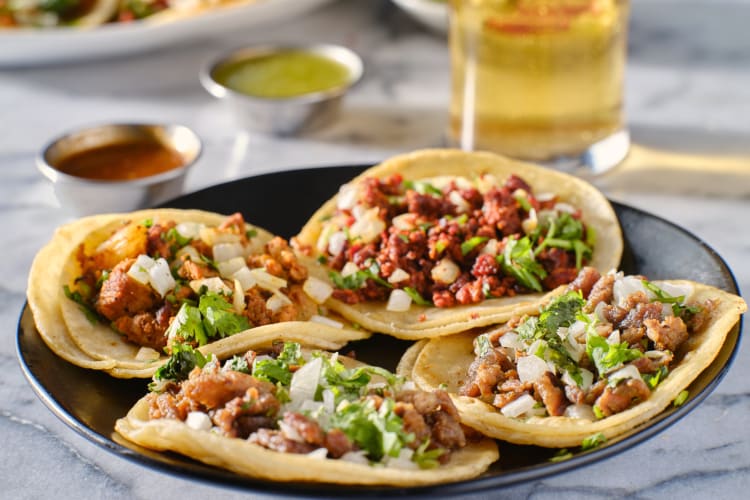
(440, 241)
(600, 359)
(128, 286)
(289, 414)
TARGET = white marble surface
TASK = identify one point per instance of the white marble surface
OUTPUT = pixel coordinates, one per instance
(688, 90)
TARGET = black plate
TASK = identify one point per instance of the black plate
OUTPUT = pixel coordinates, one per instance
(90, 401)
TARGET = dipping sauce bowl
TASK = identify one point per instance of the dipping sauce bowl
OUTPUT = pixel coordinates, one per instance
(119, 167)
(283, 89)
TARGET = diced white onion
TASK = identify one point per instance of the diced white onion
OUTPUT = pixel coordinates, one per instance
(305, 381)
(403, 461)
(368, 226)
(614, 337)
(404, 222)
(225, 251)
(587, 378)
(189, 229)
(530, 223)
(318, 454)
(188, 252)
(398, 301)
(276, 301)
(329, 399)
(356, 457)
(266, 280)
(625, 286)
(336, 243)
(522, 404)
(574, 349)
(317, 289)
(199, 421)
(544, 197)
(398, 276)
(584, 412)
(160, 277)
(445, 272)
(317, 318)
(238, 297)
(459, 202)
(626, 372)
(486, 182)
(230, 266)
(530, 368)
(213, 236)
(512, 340)
(290, 432)
(347, 197)
(213, 284)
(490, 247)
(245, 277)
(325, 235)
(146, 354)
(565, 207)
(409, 386)
(349, 269)
(677, 290)
(139, 269)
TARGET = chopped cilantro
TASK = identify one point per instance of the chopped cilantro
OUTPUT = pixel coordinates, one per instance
(147, 223)
(653, 379)
(607, 356)
(678, 307)
(518, 261)
(379, 432)
(416, 297)
(219, 318)
(403, 238)
(251, 233)
(322, 259)
(173, 236)
(182, 361)
(238, 364)
(187, 325)
(561, 454)
(427, 459)
(357, 279)
(593, 441)
(273, 370)
(681, 398)
(566, 232)
(422, 187)
(482, 345)
(472, 243)
(85, 307)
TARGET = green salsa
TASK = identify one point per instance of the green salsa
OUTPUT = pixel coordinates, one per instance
(283, 74)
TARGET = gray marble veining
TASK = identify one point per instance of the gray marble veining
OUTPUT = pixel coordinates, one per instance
(688, 77)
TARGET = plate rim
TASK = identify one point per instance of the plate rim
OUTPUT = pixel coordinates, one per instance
(222, 478)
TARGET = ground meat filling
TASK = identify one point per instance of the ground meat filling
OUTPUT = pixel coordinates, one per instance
(242, 406)
(648, 328)
(143, 316)
(444, 244)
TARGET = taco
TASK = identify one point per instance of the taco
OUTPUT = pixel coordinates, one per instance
(599, 360)
(127, 286)
(294, 415)
(440, 241)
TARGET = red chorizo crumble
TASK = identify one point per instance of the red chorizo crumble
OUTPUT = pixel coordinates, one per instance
(445, 245)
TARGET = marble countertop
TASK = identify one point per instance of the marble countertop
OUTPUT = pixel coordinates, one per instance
(688, 99)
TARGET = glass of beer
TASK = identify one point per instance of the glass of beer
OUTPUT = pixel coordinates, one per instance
(539, 80)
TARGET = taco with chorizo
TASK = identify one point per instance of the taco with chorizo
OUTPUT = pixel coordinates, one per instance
(128, 286)
(440, 241)
(609, 354)
(289, 414)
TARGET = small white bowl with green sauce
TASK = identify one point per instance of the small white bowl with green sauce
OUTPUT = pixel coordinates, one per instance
(283, 89)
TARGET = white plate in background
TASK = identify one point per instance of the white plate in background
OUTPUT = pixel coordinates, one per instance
(30, 47)
(431, 13)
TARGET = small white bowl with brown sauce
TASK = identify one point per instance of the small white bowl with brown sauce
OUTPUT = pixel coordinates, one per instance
(119, 167)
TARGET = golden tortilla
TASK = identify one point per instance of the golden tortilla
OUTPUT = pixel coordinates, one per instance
(243, 457)
(69, 333)
(425, 322)
(446, 360)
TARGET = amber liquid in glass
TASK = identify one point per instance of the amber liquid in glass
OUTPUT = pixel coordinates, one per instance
(537, 79)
